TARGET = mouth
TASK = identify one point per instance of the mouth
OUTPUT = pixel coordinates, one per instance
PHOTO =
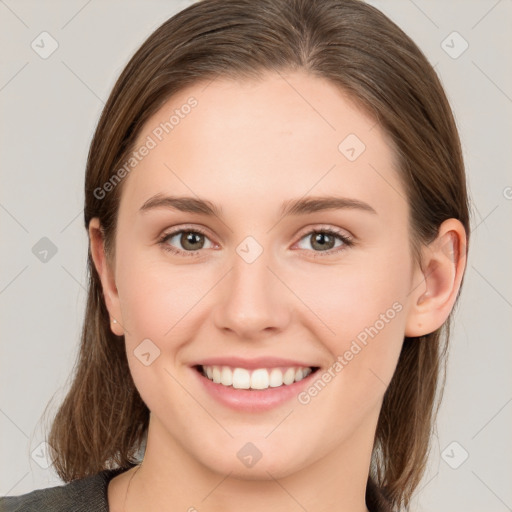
(255, 379)
(252, 385)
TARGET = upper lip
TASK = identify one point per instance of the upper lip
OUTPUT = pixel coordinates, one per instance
(258, 362)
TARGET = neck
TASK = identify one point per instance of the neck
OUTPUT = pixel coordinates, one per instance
(171, 479)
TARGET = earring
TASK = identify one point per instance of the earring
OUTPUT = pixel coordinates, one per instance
(114, 321)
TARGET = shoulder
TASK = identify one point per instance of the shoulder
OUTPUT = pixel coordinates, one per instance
(87, 494)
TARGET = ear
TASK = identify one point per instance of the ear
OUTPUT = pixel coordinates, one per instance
(106, 274)
(437, 280)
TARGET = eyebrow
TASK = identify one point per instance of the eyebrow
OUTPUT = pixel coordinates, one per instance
(300, 206)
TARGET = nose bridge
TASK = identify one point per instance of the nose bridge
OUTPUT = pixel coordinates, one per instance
(253, 300)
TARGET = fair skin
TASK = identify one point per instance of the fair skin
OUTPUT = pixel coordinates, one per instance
(248, 147)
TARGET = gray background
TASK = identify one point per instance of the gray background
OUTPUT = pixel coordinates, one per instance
(49, 109)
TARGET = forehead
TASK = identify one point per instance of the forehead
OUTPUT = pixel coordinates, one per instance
(257, 142)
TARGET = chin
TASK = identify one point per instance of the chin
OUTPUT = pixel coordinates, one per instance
(255, 460)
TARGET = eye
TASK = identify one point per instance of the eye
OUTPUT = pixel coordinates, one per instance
(323, 241)
(190, 240)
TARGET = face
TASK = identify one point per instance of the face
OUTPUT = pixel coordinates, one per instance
(250, 290)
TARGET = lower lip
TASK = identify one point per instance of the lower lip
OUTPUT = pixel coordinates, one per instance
(256, 400)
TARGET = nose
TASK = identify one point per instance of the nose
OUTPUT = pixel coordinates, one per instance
(252, 302)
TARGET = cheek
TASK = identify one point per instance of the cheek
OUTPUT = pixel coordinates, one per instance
(362, 308)
(347, 300)
(367, 315)
(156, 297)
(154, 302)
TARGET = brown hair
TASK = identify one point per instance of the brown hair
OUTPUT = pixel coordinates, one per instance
(103, 421)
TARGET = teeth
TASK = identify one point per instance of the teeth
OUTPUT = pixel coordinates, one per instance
(226, 377)
(216, 375)
(259, 379)
(241, 378)
(276, 378)
(289, 376)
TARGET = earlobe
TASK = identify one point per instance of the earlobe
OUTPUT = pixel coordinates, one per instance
(442, 269)
(105, 273)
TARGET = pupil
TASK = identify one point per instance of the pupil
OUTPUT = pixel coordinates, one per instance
(324, 240)
(191, 239)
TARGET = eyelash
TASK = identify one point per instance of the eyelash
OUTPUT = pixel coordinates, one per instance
(347, 241)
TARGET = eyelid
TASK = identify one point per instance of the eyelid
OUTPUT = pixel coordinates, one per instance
(325, 227)
(178, 229)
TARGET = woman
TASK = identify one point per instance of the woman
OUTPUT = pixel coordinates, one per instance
(276, 205)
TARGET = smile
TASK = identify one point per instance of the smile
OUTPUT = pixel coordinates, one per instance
(256, 379)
